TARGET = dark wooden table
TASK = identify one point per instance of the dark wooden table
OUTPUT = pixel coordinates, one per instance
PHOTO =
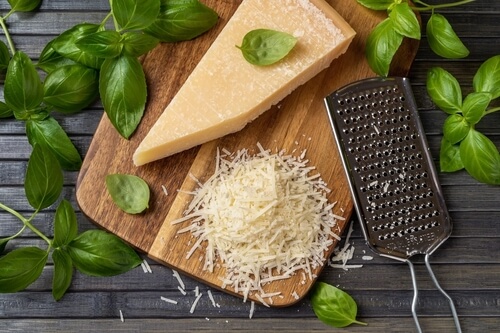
(468, 264)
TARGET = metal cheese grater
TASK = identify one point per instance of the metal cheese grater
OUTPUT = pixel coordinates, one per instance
(393, 181)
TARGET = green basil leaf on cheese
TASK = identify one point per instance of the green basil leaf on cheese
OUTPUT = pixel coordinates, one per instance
(381, 46)
(49, 133)
(23, 88)
(71, 88)
(135, 14)
(136, 44)
(63, 273)
(130, 193)
(98, 253)
(443, 40)
(20, 268)
(65, 45)
(181, 20)
(123, 91)
(101, 44)
(265, 47)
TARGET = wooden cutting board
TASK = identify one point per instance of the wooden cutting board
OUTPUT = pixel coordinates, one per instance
(298, 122)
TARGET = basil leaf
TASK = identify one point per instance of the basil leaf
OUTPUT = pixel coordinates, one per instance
(444, 90)
(65, 45)
(101, 44)
(481, 158)
(20, 268)
(50, 60)
(122, 86)
(377, 4)
(443, 40)
(65, 224)
(455, 128)
(381, 46)
(5, 111)
(135, 14)
(50, 134)
(23, 87)
(264, 47)
(98, 253)
(3, 244)
(71, 88)
(4, 56)
(136, 44)
(44, 179)
(449, 157)
(128, 192)
(181, 20)
(405, 21)
(63, 273)
(475, 105)
(487, 78)
(333, 306)
(23, 5)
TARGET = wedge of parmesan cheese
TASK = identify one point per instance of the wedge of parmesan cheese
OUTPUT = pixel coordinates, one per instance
(225, 92)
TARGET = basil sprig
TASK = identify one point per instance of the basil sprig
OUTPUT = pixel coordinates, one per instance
(386, 38)
(264, 47)
(333, 306)
(462, 145)
(93, 252)
(181, 20)
(81, 63)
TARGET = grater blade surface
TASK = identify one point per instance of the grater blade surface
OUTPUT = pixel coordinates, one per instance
(391, 173)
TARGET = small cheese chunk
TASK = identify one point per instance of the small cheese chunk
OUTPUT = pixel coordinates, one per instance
(225, 92)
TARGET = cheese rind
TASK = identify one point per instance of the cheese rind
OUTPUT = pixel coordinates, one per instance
(225, 92)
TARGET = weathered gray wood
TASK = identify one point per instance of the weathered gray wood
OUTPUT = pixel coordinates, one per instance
(216, 325)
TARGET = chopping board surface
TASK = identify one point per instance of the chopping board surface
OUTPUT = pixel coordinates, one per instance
(297, 123)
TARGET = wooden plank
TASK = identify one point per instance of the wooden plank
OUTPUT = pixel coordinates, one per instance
(148, 304)
(132, 324)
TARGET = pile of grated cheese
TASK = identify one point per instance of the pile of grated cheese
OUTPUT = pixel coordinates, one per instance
(263, 217)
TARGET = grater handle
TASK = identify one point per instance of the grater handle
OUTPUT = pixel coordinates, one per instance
(438, 286)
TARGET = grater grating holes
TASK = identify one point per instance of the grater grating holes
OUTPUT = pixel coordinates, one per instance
(397, 133)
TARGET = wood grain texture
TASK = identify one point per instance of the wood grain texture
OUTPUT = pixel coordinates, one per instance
(298, 122)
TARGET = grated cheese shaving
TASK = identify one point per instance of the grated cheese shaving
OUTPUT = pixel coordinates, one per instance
(260, 214)
(168, 300)
(178, 277)
(193, 306)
